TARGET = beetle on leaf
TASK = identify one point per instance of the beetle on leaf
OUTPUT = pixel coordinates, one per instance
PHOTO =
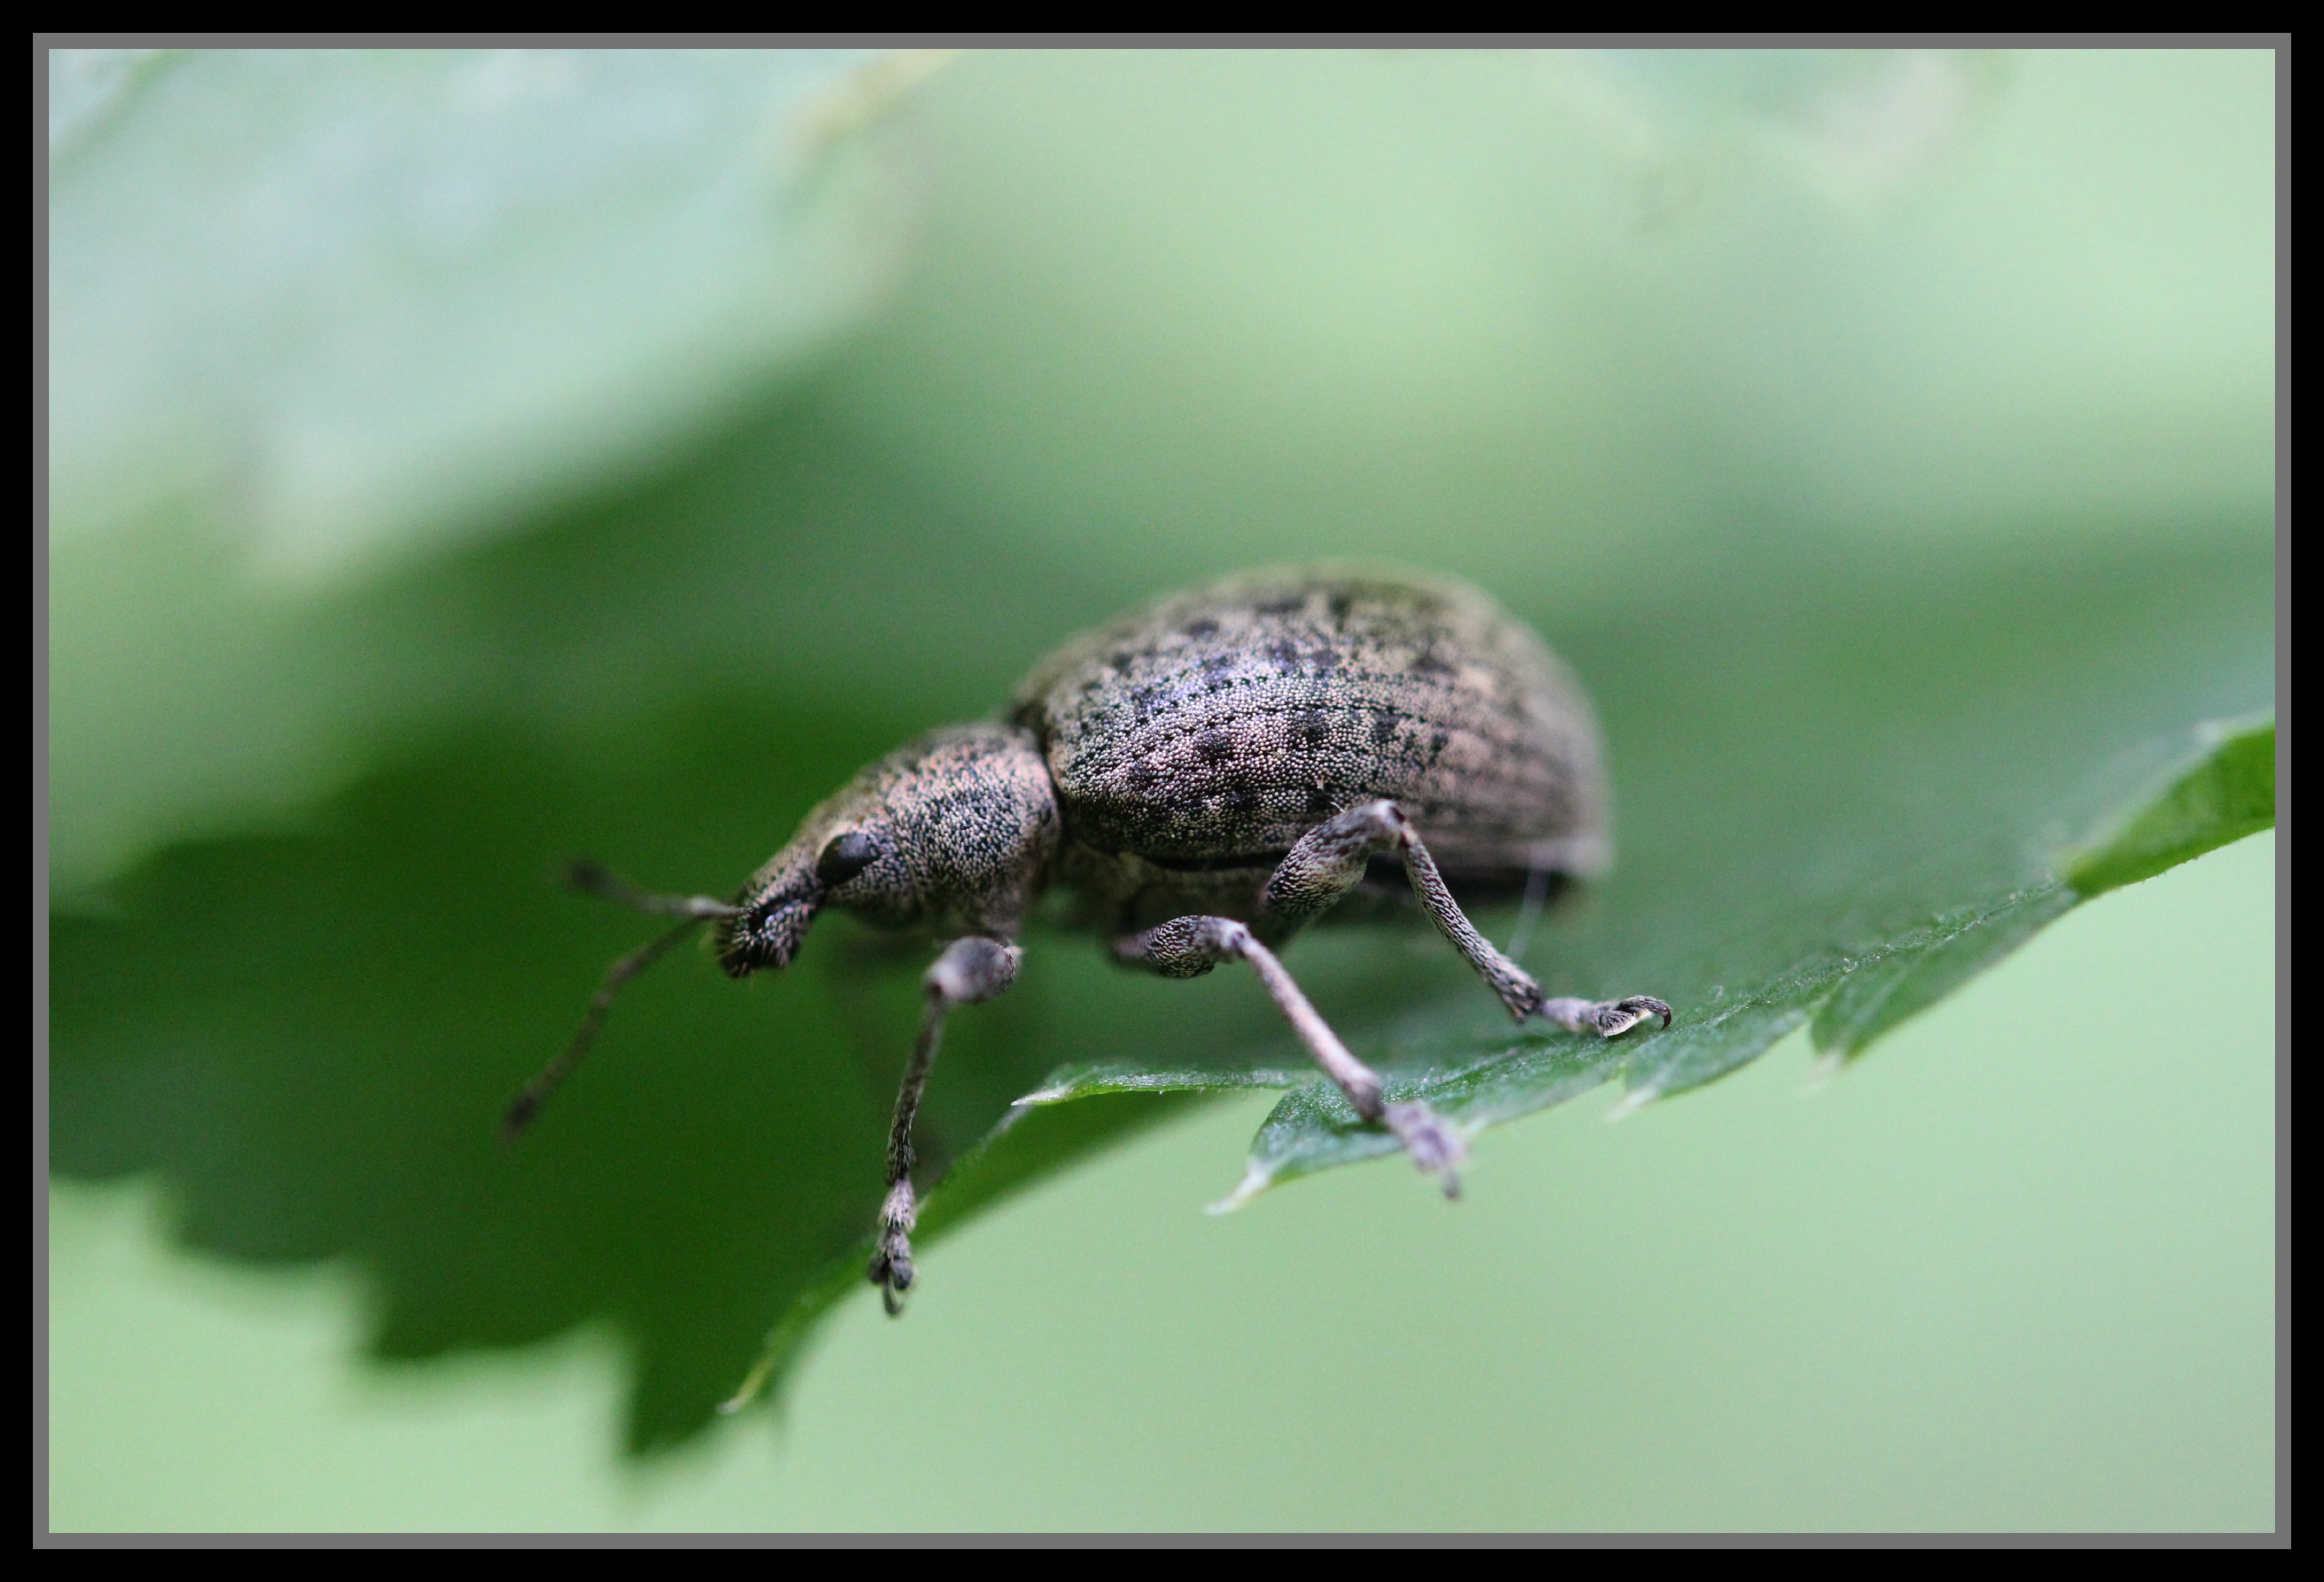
(1207, 776)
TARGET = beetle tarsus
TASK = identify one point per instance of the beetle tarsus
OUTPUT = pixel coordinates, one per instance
(891, 1265)
(1608, 1018)
(1433, 1143)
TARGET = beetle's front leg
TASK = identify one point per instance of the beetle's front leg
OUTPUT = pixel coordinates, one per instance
(970, 970)
(1188, 947)
(1329, 859)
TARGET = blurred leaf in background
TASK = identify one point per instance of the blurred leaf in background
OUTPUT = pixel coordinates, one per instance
(314, 314)
(1886, 438)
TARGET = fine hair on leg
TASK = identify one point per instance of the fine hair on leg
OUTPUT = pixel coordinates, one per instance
(1327, 862)
(1529, 910)
(1188, 947)
(695, 910)
(970, 971)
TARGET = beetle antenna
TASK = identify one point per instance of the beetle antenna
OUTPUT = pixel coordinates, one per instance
(591, 879)
(695, 910)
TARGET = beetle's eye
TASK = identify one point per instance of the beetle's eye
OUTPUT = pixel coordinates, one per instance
(845, 857)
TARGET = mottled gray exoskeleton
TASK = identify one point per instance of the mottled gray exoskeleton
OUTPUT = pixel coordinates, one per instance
(1207, 776)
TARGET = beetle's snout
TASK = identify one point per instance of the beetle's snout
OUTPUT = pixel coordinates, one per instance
(767, 935)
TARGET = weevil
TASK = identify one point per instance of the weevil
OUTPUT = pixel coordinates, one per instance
(1203, 776)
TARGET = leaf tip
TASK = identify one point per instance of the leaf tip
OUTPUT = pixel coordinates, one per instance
(2226, 793)
(1828, 1064)
(1631, 1102)
(1256, 1179)
(752, 1386)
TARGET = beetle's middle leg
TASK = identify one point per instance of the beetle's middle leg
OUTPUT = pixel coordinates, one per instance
(1188, 947)
(970, 970)
(1329, 859)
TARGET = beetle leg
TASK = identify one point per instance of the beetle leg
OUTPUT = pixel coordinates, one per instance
(970, 970)
(1329, 859)
(1188, 947)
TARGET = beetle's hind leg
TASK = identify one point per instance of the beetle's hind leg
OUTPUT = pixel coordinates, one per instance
(970, 970)
(1329, 859)
(1188, 947)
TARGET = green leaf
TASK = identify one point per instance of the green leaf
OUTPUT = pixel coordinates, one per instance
(2228, 793)
(1870, 670)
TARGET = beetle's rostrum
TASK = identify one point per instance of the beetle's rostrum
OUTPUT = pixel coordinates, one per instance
(1206, 776)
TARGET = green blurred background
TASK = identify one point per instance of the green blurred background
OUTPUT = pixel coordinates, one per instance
(423, 517)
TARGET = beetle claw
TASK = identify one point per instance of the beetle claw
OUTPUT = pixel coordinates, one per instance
(1619, 1017)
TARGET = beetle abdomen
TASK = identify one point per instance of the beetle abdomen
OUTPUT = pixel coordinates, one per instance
(1225, 723)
